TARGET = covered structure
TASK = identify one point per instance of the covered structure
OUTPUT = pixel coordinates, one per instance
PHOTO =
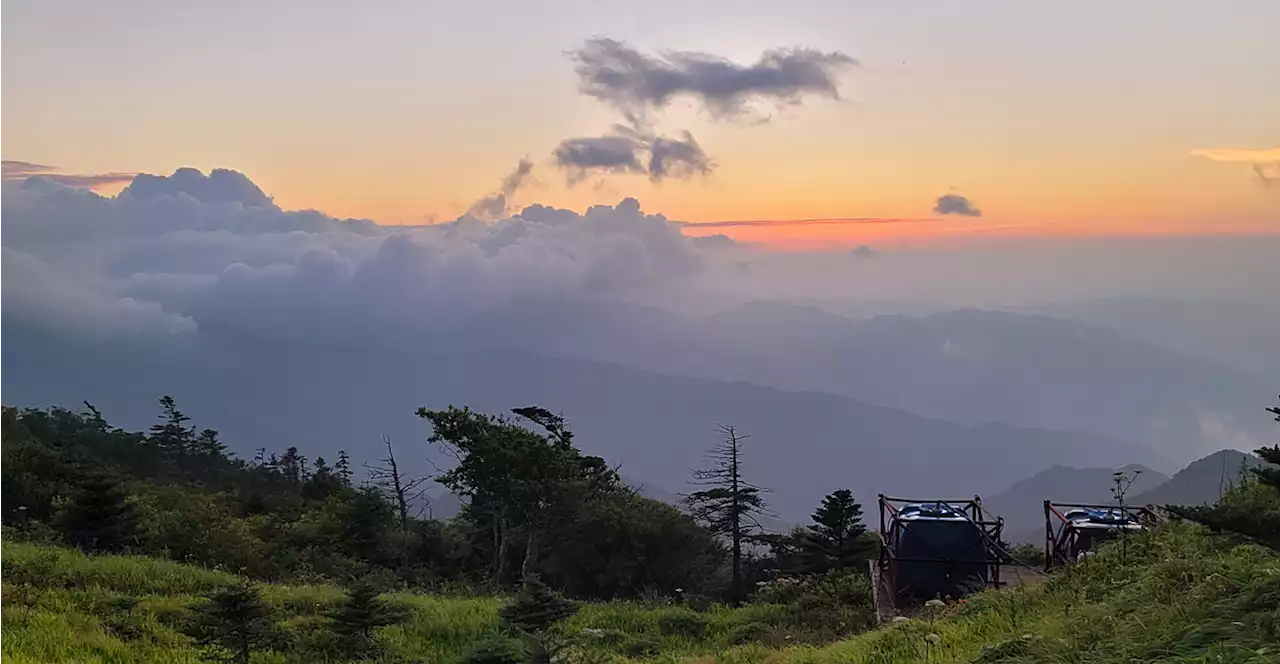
(933, 549)
(1073, 529)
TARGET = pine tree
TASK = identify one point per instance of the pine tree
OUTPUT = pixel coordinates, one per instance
(359, 616)
(293, 466)
(533, 614)
(343, 468)
(232, 624)
(100, 518)
(172, 436)
(730, 505)
(836, 538)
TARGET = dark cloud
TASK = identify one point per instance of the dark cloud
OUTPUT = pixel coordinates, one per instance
(21, 170)
(955, 204)
(219, 186)
(864, 251)
(498, 204)
(629, 150)
(614, 153)
(636, 83)
(678, 158)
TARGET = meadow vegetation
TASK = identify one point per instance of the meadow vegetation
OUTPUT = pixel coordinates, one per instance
(117, 552)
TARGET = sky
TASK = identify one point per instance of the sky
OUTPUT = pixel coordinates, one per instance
(926, 122)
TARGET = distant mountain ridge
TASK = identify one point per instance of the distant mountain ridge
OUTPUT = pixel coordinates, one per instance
(657, 427)
(1022, 505)
(1202, 482)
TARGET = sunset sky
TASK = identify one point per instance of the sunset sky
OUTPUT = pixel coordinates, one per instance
(1051, 118)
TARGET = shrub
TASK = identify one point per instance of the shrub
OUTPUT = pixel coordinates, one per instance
(682, 622)
(496, 650)
(752, 632)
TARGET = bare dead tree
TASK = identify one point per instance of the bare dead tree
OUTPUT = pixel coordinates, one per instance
(399, 488)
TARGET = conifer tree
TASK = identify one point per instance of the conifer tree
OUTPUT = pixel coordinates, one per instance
(835, 540)
(360, 615)
(99, 517)
(232, 624)
(729, 505)
(172, 435)
(533, 614)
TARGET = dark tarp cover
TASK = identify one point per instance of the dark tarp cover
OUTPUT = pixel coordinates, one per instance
(957, 551)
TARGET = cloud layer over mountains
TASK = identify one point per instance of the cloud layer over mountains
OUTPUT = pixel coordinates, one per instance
(170, 254)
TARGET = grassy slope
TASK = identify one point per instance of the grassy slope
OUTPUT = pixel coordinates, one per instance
(54, 603)
(1176, 595)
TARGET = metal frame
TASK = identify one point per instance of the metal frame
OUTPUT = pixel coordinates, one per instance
(1060, 536)
(971, 509)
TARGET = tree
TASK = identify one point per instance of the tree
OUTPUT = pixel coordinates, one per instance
(520, 483)
(730, 505)
(343, 468)
(625, 545)
(293, 466)
(360, 615)
(100, 517)
(232, 624)
(397, 487)
(365, 520)
(837, 538)
(172, 436)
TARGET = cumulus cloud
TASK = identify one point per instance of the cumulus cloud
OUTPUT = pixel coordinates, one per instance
(629, 150)
(179, 254)
(219, 186)
(499, 203)
(13, 170)
(955, 204)
(637, 84)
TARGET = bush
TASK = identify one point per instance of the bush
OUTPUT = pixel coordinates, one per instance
(823, 607)
(496, 650)
(752, 632)
(682, 622)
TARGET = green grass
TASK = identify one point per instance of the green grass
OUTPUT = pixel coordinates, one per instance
(1176, 595)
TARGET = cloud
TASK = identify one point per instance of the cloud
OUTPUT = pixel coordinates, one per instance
(498, 204)
(863, 252)
(629, 150)
(17, 169)
(1271, 155)
(637, 84)
(955, 204)
(181, 254)
(21, 170)
(1265, 163)
(821, 221)
(219, 186)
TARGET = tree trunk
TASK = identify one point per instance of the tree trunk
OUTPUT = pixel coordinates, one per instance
(530, 554)
(504, 549)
